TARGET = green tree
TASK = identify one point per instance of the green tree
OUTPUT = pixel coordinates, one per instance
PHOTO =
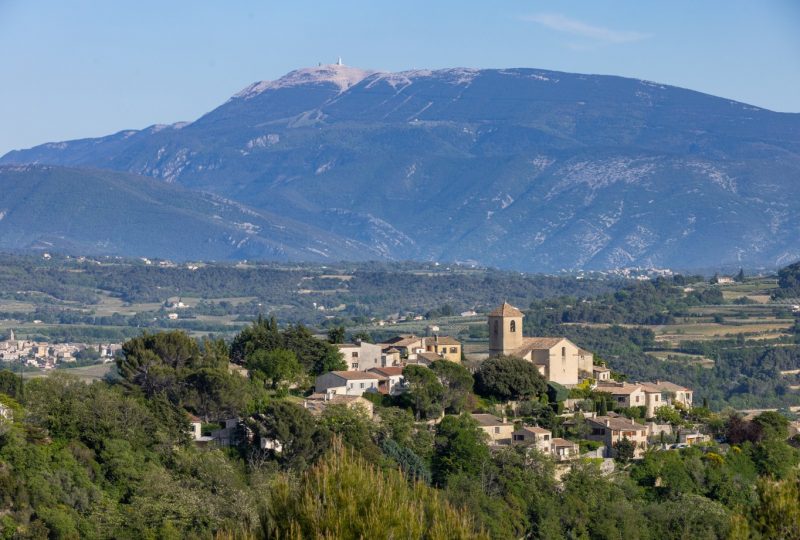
(263, 334)
(777, 514)
(276, 366)
(668, 414)
(336, 335)
(424, 393)
(624, 450)
(10, 384)
(152, 361)
(457, 382)
(508, 377)
(460, 446)
(773, 425)
(353, 426)
(293, 428)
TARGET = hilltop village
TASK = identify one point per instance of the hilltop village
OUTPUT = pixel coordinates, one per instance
(540, 439)
(600, 414)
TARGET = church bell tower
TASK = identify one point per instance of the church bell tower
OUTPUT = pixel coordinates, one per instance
(505, 330)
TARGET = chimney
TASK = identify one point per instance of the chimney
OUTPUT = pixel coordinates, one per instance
(633, 422)
(608, 422)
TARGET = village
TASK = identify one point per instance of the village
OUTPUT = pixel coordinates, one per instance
(379, 370)
(47, 356)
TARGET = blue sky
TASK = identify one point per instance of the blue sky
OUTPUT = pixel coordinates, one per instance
(88, 68)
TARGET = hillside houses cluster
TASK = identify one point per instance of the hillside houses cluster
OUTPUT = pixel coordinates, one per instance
(378, 368)
(45, 355)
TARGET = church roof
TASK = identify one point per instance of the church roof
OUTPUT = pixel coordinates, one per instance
(537, 344)
(506, 310)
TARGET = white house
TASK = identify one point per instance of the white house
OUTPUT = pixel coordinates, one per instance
(364, 356)
(350, 383)
(393, 382)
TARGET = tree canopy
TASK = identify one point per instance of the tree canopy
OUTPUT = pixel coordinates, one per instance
(509, 378)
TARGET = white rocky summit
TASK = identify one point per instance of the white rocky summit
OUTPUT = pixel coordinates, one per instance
(339, 74)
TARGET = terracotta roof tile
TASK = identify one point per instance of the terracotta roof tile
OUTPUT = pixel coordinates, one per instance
(506, 310)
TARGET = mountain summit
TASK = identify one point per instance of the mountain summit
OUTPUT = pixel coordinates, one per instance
(518, 168)
(336, 74)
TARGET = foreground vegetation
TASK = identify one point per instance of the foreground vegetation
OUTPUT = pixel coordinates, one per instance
(114, 459)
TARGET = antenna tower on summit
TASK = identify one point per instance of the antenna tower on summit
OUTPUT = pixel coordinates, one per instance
(339, 61)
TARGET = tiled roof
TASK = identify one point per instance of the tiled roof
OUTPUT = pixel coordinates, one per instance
(488, 420)
(616, 389)
(668, 386)
(617, 423)
(405, 342)
(429, 356)
(357, 375)
(536, 344)
(506, 310)
(387, 371)
(560, 443)
(535, 429)
(442, 340)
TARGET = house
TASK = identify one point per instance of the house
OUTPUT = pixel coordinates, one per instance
(350, 383)
(408, 345)
(564, 450)
(499, 430)
(363, 356)
(424, 359)
(633, 395)
(601, 373)
(317, 403)
(445, 346)
(196, 425)
(533, 436)
(611, 429)
(557, 358)
(672, 393)
(227, 435)
(393, 382)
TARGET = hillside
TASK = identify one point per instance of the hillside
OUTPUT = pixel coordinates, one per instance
(103, 212)
(517, 168)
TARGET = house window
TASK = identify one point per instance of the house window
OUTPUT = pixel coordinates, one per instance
(355, 354)
(547, 437)
(496, 328)
(519, 437)
(563, 351)
(637, 399)
(353, 366)
(657, 396)
(513, 326)
(453, 350)
(497, 430)
(362, 385)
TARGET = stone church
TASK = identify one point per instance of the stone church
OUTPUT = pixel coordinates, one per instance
(557, 358)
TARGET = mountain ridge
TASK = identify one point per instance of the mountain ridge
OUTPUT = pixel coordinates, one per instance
(518, 168)
(45, 207)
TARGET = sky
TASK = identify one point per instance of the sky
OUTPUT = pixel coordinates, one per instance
(89, 68)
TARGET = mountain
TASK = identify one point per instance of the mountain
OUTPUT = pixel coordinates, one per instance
(517, 168)
(82, 211)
